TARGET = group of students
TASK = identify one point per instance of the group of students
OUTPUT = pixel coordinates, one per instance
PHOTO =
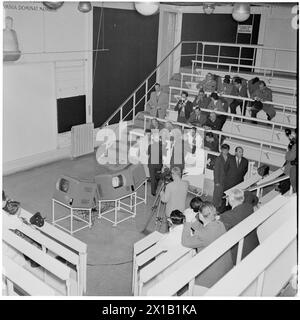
(200, 225)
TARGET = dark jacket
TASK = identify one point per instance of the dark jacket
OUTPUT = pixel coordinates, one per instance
(217, 125)
(231, 218)
(235, 174)
(221, 169)
(187, 111)
(203, 237)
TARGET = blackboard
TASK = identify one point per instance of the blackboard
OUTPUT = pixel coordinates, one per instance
(70, 112)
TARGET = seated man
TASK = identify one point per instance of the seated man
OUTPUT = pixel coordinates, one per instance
(175, 193)
(239, 89)
(240, 211)
(263, 93)
(199, 236)
(208, 84)
(218, 104)
(211, 142)
(158, 103)
(213, 122)
(184, 108)
(226, 89)
(201, 100)
(253, 85)
(197, 118)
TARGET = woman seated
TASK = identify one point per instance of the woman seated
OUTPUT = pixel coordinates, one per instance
(194, 209)
(198, 233)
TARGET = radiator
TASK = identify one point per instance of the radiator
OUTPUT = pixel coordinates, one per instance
(82, 139)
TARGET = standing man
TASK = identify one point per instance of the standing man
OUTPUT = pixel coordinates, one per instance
(158, 103)
(220, 172)
(238, 167)
(240, 211)
(175, 193)
(154, 160)
(184, 108)
(239, 89)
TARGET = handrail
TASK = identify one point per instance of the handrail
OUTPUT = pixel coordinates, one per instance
(190, 270)
(236, 97)
(268, 183)
(193, 75)
(221, 133)
(141, 84)
(239, 116)
(243, 66)
(242, 276)
(257, 46)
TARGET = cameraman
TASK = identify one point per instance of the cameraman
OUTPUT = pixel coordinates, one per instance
(175, 193)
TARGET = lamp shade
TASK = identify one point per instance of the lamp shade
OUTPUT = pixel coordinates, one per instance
(208, 8)
(241, 12)
(84, 7)
(146, 8)
(11, 50)
(53, 5)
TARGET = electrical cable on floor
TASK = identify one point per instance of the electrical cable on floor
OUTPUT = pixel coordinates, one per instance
(109, 264)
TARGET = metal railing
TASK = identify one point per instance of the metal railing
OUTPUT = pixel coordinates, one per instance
(187, 274)
(286, 90)
(264, 149)
(281, 106)
(174, 61)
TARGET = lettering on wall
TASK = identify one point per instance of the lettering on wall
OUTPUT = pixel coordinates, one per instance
(25, 7)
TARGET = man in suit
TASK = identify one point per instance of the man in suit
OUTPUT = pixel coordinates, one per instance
(253, 85)
(238, 167)
(209, 84)
(202, 100)
(196, 118)
(184, 108)
(158, 103)
(240, 211)
(263, 93)
(226, 88)
(213, 122)
(218, 104)
(198, 233)
(211, 142)
(220, 172)
(239, 89)
(154, 160)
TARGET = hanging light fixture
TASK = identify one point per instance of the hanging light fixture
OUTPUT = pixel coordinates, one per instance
(11, 50)
(53, 5)
(146, 8)
(84, 6)
(241, 12)
(208, 7)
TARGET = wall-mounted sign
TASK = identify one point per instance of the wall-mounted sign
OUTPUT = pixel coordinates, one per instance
(244, 28)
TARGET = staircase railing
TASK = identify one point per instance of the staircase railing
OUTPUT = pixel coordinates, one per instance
(182, 55)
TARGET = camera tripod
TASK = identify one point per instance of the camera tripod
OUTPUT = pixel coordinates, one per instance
(158, 208)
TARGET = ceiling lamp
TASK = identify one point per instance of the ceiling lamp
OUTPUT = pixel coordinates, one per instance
(146, 8)
(11, 50)
(241, 12)
(84, 7)
(53, 5)
(208, 8)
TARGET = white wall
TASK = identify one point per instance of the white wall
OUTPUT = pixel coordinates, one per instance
(276, 31)
(54, 64)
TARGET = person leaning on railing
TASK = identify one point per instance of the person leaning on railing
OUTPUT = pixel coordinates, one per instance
(240, 211)
(263, 93)
(198, 233)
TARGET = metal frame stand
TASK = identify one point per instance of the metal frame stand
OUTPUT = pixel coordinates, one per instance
(119, 204)
(71, 216)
